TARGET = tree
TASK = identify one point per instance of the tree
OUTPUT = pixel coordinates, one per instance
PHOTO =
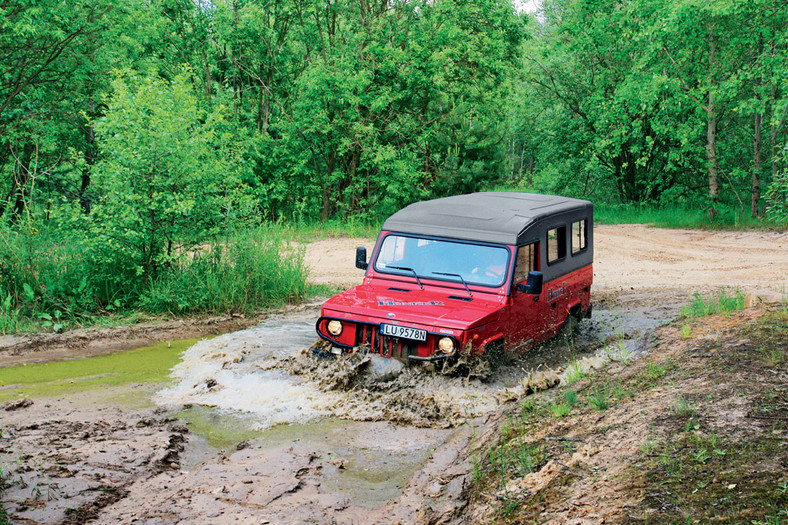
(45, 49)
(162, 181)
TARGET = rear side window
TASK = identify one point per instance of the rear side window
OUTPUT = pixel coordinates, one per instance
(578, 236)
(527, 260)
(556, 244)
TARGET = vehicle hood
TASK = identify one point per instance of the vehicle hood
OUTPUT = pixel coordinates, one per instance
(431, 306)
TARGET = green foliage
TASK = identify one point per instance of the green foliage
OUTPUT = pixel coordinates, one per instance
(132, 134)
(246, 271)
(575, 372)
(53, 280)
(647, 101)
(777, 196)
(683, 407)
(163, 184)
(570, 397)
(724, 301)
(600, 398)
(560, 409)
(46, 279)
(684, 216)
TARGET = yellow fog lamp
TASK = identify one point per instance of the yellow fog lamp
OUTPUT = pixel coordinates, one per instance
(334, 327)
(446, 345)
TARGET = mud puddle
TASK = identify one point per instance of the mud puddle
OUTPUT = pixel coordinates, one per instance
(249, 420)
(267, 373)
(148, 366)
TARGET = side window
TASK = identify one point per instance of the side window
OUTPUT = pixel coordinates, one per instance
(527, 260)
(578, 236)
(556, 244)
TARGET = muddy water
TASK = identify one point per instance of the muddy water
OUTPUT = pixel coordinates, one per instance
(252, 380)
(143, 366)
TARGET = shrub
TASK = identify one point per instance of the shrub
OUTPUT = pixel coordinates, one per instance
(251, 269)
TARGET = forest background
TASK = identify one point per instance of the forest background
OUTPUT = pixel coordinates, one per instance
(154, 154)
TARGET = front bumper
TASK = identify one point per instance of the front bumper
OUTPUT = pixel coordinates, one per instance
(356, 334)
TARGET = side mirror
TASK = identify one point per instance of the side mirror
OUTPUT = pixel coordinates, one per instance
(533, 285)
(361, 258)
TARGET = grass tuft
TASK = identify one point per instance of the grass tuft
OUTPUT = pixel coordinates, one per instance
(251, 269)
(692, 217)
(54, 280)
(600, 399)
(724, 301)
(575, 372)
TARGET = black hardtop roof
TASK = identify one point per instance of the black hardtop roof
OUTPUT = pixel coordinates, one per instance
(497, 217)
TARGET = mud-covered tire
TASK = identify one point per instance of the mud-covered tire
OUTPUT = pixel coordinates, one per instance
(322, 350)
(466, 363)
(495, 353)
(571, 326)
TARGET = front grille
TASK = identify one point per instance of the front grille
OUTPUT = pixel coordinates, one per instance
(369, 334)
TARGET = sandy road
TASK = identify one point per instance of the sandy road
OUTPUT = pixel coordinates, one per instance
(629, 256)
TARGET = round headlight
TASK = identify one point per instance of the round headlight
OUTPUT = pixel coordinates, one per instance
(334, 327)
(446, 345)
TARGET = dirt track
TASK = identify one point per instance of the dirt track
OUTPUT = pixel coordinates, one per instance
(630, 256)
(78, 458)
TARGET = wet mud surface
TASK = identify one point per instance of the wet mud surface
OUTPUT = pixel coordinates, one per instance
(251, 427)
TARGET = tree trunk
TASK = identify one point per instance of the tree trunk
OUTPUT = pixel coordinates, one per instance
(711, 135)
(711, 155)
(325, 213)
(267, 101)
(756, 165)
(21, 178)
(207, 75)
(90, 159)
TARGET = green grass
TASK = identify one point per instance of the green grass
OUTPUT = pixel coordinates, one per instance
(695, 217)
(575, 372)
(692, 215)
(52, 281)
(600, 398)
(725, 300)
(305, 232)
(560, 409)
(695, 470)
(252, 269)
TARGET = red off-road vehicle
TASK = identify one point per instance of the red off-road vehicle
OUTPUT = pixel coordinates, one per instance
(489, 271)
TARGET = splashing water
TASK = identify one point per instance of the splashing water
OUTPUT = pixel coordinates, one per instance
(224, 372)
(268, 373)
(265, 372)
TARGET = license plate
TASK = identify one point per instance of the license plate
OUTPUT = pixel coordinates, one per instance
(404, 332)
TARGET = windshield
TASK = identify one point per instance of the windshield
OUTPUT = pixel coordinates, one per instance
(445, 260)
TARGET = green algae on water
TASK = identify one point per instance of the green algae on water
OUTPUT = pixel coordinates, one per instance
(151, 364)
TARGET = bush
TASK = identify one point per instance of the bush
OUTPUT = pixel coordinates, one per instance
(251, 269)
(50, 278)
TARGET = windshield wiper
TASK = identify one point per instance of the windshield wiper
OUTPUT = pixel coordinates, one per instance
(406, 269)
(461, 279)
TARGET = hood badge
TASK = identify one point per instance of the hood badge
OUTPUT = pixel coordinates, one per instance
(391, 315)
(414, 303)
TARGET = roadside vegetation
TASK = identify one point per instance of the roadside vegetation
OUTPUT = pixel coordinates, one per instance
(692, 432)
(689, 217)
(60, 280)
(725, 300)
